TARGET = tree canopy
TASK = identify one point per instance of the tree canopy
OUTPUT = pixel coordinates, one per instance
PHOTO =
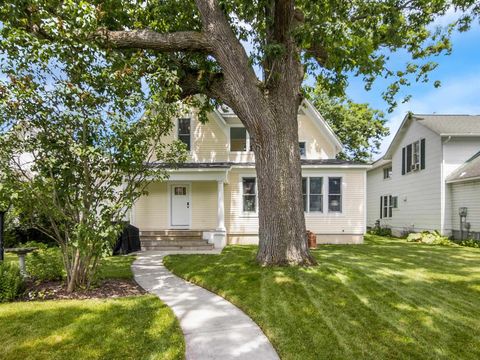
(359, 127)
(198, 47)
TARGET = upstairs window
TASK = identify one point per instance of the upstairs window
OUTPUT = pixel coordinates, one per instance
(184, 132)
(239, 139)
(249, 194)
(303, 149)
(413, 157)
(335, 194)
(387, 172)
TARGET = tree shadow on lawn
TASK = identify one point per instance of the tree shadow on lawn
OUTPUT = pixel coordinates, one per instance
(136, 327)
(376, 301)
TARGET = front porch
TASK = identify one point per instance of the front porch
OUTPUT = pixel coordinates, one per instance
(189, 206)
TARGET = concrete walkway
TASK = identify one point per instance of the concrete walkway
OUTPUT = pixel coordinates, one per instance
(213, 327)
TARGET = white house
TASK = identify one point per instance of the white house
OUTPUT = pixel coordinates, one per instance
(413, 187)
(213, 196)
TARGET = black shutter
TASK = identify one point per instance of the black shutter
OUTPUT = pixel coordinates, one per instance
(403, 161)
(381, 203)
(409, 158)
(422, 154)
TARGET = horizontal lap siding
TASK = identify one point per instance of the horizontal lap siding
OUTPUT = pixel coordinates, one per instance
(317, 145)
(151, 211)
(204, 205)
(352, 218)
(419, 193)
(351, 221)
(466, 195)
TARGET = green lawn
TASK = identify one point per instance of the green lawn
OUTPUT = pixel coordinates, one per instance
(386, 299)
(140, 327)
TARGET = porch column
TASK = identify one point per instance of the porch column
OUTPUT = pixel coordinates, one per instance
(220, 207)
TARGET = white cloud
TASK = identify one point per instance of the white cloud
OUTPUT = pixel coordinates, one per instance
(457, 96)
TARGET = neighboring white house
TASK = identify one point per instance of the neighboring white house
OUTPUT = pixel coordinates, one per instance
(213, 196)
(410, 188)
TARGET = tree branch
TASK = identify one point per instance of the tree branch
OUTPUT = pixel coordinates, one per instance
(211, 84)
(149, 39)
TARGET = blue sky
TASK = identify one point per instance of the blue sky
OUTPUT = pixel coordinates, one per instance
(459, 74)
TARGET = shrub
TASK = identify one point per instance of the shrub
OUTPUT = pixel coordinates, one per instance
(11, 282)
(429, 237)
(45, 264)
(381, 231)
(470, 243)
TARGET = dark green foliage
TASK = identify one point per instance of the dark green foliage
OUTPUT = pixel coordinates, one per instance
(381, 231)
(470, 243)
(45, 264)
(359, 127)
(11, 282)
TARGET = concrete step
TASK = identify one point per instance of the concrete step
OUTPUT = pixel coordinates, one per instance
(169, 238)
(177, 233)
(174, 242)
(164, 248)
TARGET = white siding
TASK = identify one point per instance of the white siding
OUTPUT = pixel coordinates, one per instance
(419, 193)
(350, 222)
(456, 150)
(466, 194)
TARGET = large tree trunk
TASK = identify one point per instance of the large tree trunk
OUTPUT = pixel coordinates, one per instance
(282, 229)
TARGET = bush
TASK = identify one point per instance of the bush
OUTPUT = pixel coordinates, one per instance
(11, 282)
(470, 243)
(379, 231)
(429, 237)
(45, 264)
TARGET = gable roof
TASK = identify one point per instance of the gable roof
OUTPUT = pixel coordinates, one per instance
(308, 109)
(470, 170)
(443, 125)
(449, 125)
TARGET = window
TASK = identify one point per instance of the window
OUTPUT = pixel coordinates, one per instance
(184, 131)
(305, 194)
(249, 194)
(335, 194)
(312, 194)
(387, 204)
(303, 149)
(387, 172)
(413, 157)
(239, 139)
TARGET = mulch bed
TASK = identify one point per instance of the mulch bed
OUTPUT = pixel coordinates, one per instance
(56, 290)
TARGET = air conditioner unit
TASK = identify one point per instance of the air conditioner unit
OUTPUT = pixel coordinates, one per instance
(416, 167)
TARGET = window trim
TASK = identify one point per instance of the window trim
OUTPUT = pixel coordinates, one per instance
(388, 206)
(341, 194)
(305, 148)
(308, 194)
(390, 172)
(248, 213)
(189, 118)
(406, 159)
(248, 144)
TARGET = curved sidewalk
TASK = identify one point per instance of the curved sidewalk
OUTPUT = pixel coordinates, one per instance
(212, 326)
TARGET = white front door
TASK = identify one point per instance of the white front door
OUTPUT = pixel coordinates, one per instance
(180, 205)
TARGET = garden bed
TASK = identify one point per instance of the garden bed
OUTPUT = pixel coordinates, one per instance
(56, 290)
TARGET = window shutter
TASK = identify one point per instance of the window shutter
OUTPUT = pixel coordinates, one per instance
(381, 207)
(409, 158)
(422, 154)
(403, 161)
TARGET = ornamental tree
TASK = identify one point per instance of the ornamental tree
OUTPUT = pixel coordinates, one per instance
(202, 42)
(74, 153)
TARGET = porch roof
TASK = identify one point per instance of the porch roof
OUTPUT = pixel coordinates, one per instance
(229, 164)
